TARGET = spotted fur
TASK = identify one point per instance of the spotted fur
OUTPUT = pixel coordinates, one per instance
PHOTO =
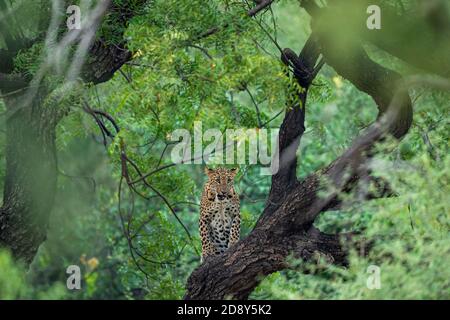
(219, 212)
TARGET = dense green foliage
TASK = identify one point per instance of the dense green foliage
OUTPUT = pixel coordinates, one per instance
(176, 79)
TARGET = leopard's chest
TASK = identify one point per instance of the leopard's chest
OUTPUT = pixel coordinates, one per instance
(220, 225)
(221, 214)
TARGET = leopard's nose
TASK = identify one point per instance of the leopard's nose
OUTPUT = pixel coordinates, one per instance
(221, 196)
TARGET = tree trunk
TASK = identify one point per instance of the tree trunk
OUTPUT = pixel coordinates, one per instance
(31, 173)
(285, 228)
(31, 164)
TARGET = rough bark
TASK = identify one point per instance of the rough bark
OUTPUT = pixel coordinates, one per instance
(30, 181)
(293, 126)
(236, 273)
(103, 61)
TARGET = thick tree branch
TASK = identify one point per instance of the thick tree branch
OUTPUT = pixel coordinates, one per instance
(350, 60)
(286, 228)
(263, 4)
(292, 128)
(239, 270)
(105, 59)
(405, 36)
(9, 83)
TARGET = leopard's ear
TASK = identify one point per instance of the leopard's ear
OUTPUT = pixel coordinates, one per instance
(234, 171)
(209, 171)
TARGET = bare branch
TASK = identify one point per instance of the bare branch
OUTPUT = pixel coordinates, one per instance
(263, 4)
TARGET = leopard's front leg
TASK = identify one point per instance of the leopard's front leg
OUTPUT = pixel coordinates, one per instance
(235, 230)
(207, 245)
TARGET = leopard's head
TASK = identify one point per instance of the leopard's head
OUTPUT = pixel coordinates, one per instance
(220, 183)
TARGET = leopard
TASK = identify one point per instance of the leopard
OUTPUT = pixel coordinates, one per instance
(220, 219)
